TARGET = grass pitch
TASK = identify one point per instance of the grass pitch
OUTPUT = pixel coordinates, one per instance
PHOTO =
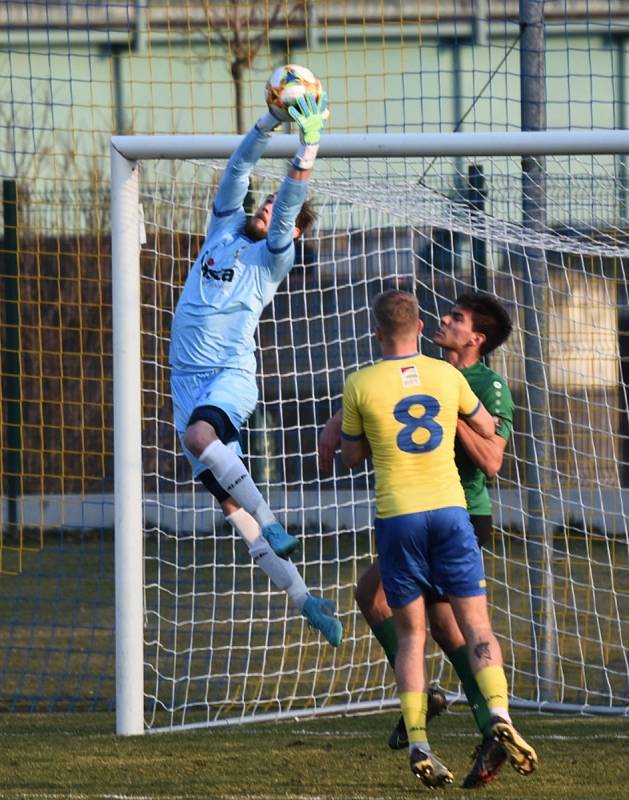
(77, 757)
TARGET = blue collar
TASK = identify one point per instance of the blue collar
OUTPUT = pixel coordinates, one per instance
(400, 358)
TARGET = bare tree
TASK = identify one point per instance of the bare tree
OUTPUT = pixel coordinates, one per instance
(243, 28)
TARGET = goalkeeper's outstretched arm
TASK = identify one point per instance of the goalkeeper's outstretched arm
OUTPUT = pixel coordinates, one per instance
(234, 184)
(309, 115)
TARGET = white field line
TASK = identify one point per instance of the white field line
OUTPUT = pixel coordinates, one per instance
(21, 795)
(65, 796)
(331, 734)
(446, 735)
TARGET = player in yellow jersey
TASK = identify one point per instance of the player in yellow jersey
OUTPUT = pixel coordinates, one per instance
(473, 327)
(402, 412)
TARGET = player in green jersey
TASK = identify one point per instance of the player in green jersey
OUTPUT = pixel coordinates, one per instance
(473, 328)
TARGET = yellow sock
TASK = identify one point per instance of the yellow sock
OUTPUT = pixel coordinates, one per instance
(492, 682)
(414, 708)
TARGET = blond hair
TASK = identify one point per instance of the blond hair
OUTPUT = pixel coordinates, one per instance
(396, 313)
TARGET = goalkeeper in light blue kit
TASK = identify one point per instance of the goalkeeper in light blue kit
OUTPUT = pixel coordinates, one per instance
(212, 351)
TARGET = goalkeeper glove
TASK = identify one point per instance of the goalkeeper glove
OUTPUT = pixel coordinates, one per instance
(309, 115)
(268, 122)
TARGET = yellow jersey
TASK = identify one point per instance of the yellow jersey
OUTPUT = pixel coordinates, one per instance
(407, 408)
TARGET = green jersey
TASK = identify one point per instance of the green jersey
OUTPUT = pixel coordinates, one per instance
(494, 394)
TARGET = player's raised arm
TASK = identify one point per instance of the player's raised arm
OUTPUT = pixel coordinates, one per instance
(309, 114)
(234, 183)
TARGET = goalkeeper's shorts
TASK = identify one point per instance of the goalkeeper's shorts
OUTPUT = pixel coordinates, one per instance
(429, 551)
(233, 391)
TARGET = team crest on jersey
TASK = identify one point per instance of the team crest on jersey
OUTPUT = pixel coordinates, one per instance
(409, 375)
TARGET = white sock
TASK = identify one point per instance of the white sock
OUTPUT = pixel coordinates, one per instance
(264, 515)
(232, 475)
(282, 572)
(245, 525)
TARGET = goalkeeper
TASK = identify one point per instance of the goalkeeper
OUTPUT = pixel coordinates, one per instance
(212, 350)
(473, 328)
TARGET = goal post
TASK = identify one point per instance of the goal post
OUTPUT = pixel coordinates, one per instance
(128, 524)
(440, 232)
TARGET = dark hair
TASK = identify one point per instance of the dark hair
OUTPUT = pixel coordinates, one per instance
(306, 218)
(489, 317)
(396, 312)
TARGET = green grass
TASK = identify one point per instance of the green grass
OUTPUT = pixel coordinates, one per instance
(57, 649)
(77, 757)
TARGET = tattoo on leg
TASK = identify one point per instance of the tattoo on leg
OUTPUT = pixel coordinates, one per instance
(481, 651)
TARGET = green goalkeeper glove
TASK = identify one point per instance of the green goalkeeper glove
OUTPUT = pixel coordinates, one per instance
(309, 115)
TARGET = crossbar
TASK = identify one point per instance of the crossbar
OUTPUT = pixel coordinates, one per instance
(350, 145)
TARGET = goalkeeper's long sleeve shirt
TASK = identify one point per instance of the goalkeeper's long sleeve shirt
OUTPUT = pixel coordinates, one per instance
(233, 277)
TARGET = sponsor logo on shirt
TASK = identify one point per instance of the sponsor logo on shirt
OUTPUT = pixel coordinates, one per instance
(409, 376)
(215, 274)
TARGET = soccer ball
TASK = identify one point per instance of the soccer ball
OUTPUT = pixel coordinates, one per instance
(286, 85)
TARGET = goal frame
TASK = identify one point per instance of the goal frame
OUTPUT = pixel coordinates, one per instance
(126, 152)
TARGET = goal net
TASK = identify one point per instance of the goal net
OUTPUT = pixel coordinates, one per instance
(203, 639)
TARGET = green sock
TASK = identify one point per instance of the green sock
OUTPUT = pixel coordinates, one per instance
(482, 715)
(386, 634)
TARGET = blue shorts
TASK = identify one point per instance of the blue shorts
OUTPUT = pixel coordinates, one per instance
(430, 551)
(232, 390)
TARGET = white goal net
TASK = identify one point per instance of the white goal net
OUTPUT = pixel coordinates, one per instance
(219, 644)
